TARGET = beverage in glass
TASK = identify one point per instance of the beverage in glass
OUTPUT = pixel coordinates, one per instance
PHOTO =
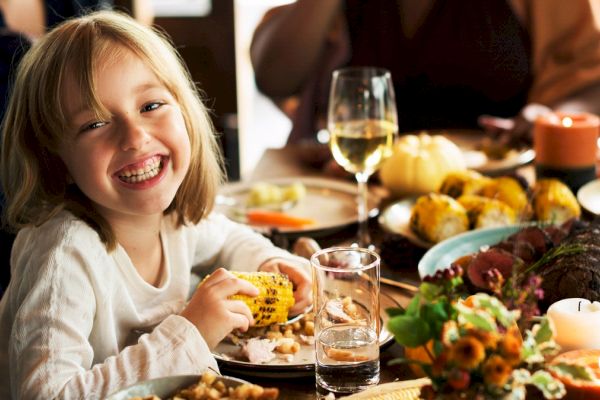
(362, 122)
(347, 320)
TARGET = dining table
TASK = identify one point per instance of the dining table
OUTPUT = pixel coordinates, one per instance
(399, 260)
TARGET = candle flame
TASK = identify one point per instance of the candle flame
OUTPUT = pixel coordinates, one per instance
(567, 122)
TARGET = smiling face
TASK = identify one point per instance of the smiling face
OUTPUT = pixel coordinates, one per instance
(131, 162)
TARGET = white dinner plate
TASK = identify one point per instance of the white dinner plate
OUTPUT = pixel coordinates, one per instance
(589, 196)
(330, 203)
(303, 363)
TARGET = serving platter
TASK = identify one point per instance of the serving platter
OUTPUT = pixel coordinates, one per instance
(330, 203)
(303, 363)
(444, 253)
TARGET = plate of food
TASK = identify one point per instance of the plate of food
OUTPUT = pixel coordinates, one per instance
(176, 387)
(445, 253)
(289, 349)
(485, 155)
(589, 196)
(396, 219)
(297, 205)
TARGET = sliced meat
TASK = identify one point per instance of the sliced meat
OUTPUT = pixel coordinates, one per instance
(502, 260)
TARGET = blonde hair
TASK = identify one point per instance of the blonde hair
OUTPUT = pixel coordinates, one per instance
(35, 179)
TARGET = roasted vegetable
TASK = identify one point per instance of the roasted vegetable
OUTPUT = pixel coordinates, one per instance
(269, 194)
(459, 183)
(276, 218)
(554, 202)
(274, 300)
(509, 191)
(436, 217)
(484, 212)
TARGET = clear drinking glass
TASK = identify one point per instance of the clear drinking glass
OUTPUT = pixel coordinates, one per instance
(362, 123)
(347, 319)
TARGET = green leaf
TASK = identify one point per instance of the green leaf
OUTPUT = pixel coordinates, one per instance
(496, 308)
(430, 291)
(479, 318)
(413, 306)
(394, 311)
(543, 331)
(409, 330)
(573, 371)
(550, 387)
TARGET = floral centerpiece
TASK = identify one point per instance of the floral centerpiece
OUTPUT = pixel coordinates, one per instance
(473, 348)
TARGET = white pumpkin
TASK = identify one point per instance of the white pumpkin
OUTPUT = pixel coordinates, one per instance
(419, 163)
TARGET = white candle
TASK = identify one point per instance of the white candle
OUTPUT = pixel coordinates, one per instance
(576, 323)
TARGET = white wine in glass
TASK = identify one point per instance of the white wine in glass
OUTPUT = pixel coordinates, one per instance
(362, 122)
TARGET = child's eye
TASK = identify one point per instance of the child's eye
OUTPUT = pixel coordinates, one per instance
(152, 106)
(93, 125)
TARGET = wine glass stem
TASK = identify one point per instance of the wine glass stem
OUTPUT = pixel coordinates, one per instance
(363, 214)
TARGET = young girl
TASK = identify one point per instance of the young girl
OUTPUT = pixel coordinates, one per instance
(110, 167)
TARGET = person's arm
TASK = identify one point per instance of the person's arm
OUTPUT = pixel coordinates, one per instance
(566, 54)
(288, 42)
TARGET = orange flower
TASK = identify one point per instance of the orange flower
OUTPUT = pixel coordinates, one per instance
(467, 352)
(488, 339)
(496, 371)
(510, 346)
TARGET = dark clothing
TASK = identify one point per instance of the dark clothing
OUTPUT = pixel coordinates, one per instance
(468, 58)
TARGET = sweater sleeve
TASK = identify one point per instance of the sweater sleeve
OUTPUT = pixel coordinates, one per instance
(50, 352)
(224, 243)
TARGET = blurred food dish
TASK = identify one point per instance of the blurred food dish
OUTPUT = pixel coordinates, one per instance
(589, 197)
(482, 157)
(330, 203)
(168, 386)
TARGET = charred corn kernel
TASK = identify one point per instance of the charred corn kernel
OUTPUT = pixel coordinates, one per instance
(274, 300)
(484, 212)
(554, 202)
(436, 217)
(510, 191)
(458, 183)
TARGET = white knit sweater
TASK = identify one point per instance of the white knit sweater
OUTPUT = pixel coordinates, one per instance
(72, 318)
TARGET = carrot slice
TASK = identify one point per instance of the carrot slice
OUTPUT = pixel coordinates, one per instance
(275, 218)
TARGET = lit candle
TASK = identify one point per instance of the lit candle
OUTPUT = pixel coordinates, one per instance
(576, 323)
(566, 147)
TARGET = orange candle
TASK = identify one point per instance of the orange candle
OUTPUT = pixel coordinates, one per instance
(566, 147)
(582, 390)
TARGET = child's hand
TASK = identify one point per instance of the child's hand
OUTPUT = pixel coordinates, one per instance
(213, 313)
(300, 278)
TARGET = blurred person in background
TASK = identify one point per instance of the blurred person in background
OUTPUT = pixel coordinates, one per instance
(492, 65)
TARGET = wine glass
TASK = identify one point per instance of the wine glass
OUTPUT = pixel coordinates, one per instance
(362, 123)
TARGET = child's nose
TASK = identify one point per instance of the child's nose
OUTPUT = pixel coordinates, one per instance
(134, 136)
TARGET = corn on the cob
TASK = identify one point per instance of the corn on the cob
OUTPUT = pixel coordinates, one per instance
(510, 191)
(457, 183)
(274, 300)
(554, 202)
(484, 212)
(436, 217)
